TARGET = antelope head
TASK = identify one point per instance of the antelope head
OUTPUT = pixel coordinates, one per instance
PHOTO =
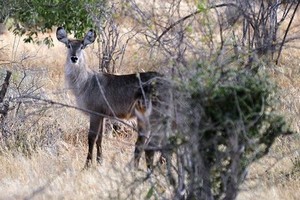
(75, 46)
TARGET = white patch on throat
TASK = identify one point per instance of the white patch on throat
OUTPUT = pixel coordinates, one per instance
(77, 74)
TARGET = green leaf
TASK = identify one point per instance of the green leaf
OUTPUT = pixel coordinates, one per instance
(34, 17)
(150, 193)
(202, 6)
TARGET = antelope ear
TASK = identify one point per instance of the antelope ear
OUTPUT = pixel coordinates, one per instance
(89, 38)
(61, 35)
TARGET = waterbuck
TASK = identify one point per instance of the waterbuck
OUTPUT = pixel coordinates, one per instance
(119, 96)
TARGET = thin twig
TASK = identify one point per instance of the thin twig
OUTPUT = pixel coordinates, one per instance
(286, 32)
(188, 16)
(75, 107)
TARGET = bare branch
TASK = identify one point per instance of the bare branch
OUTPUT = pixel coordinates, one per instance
(51, 102)
(286, 32)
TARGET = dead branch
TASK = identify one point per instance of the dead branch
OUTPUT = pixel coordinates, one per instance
(5, 108)
(48, 101)
(189, 16)
(5, 86)
(286, 32)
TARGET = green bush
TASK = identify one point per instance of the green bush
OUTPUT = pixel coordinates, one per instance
(232, 122)
(34, 17)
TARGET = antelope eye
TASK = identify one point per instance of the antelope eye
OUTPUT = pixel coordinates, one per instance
(68, 46)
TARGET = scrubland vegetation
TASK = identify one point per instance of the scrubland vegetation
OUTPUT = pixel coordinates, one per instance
(236, 116)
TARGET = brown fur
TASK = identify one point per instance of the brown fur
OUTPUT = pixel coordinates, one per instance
(120, 96)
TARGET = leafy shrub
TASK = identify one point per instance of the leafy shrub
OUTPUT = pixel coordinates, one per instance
(33, 17)
(232, 122)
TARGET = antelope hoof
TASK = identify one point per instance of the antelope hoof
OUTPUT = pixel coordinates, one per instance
(99, 160)
(87, 165)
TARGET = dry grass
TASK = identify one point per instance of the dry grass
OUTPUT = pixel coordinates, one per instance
(49, 174)
(46, 176)
(52, 169)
